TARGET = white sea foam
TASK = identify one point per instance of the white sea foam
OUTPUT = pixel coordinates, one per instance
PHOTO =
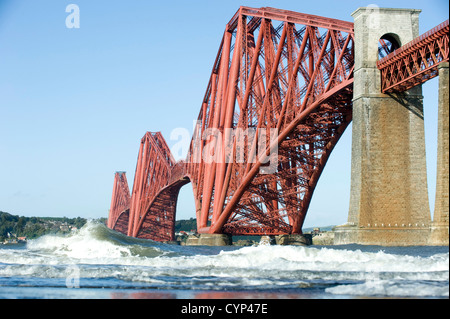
(83, 244)
(100, 253)
(392, 288)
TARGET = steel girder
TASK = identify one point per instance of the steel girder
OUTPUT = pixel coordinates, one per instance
(150, 212)
(416, 62)
(153, 170)
(159, 221)
(278, 70)
(120, 204)
(280, 96)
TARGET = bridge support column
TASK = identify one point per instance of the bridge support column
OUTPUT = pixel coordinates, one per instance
(439, 227)
(389, 199)
(209, 240)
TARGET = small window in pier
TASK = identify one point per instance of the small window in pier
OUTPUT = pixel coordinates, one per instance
(388, 43)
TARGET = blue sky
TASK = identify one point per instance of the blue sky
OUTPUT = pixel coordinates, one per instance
(74, 103)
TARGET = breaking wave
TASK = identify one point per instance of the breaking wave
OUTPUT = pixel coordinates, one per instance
(105, 258)
(95, 241)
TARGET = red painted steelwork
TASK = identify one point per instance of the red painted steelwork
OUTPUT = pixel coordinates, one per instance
(276, 71)
(120, 204)
(416, 61)
(268, 74)
(153, 169)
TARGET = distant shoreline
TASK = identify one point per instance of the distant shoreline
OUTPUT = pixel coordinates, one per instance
(15, 229)
(20, 228)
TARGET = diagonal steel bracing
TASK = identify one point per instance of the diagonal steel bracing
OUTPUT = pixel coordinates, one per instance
(416, 62)
(278, 100)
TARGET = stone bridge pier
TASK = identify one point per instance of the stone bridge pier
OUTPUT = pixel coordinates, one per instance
(389, 198)
(439, 228)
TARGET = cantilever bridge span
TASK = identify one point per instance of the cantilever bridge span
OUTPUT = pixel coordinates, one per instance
(278, 99)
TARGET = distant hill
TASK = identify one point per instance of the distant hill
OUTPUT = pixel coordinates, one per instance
(13, 226)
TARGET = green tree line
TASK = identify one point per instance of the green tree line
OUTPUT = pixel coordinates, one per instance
(33, 227)
(186, 225)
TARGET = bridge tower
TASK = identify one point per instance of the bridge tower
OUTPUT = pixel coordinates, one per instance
(389, 199)
(439, 228)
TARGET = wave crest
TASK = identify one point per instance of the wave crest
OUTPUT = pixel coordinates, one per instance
(95, 241)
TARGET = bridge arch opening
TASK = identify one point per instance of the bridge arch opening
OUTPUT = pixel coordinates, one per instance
(331, 185)
(186, 202)
(388, 43)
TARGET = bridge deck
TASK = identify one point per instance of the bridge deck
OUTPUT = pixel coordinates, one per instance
(416, 62)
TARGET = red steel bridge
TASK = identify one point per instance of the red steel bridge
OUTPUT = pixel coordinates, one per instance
(281, 83)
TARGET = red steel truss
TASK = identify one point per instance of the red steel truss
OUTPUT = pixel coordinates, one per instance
(153, 169)
(278, 70)
(120, 204)
(278, 99)
(416, 62)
